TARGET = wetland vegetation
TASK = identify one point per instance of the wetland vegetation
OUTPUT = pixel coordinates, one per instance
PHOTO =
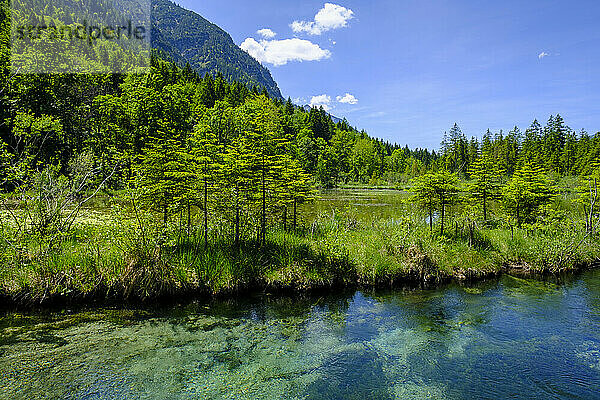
(347, 238)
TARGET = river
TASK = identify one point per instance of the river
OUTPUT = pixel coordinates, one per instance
(511, 338)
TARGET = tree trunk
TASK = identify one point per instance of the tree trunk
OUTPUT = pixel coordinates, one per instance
(443, 214)
(471, 227)
(430, 221)
(263, 224)
(189, 217)
(295, 213)
(237, 226)
(593, 198)
(484, 207)
(205, 213)
(237, 214)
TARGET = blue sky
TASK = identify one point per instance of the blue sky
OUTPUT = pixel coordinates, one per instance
(414, 68)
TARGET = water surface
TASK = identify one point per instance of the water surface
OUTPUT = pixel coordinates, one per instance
(363, 204)
(508, 339)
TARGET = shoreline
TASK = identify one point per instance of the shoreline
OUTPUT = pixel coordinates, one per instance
(22, 301)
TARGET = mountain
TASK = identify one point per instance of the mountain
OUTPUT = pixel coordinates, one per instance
(186, 37)
(333, 117)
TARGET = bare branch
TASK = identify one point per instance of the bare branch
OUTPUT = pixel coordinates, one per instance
(71, 218)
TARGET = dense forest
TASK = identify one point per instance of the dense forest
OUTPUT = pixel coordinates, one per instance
(103, 113)
(332, 153)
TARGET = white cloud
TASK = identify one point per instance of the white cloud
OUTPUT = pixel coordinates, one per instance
(543, 54)
(280, 52)
(321, 101)
(347, 99)
(299, 100)
(331, 16)
(266, 33)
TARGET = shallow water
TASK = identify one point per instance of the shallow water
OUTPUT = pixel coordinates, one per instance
(509, 339)
(365, 205)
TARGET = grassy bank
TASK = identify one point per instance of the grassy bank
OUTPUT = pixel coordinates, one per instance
(111, 257)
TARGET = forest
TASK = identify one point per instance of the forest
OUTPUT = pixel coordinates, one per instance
(200, 181)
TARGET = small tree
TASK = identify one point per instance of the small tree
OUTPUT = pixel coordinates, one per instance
(265, 140)
(526, 192)
(446, 188)
(237, 178)
(207, 166)
(424, 195)
(295, 189)
(485, 186)
(588, 198)
(160, 174)
(434, 192)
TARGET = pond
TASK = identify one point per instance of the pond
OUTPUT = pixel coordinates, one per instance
(363, 204)
(510, 338)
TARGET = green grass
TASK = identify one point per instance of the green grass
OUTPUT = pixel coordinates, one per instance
(116, 260)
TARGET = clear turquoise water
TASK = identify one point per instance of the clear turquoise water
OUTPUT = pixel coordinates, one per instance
(497, 340)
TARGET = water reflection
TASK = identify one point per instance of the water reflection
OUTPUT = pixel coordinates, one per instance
(512, 338)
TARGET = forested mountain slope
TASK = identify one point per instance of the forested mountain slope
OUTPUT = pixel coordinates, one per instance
(186, 37)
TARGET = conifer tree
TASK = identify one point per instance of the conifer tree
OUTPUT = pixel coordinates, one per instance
(424, 195)
(485, 185)
(532, 146)
(455, 151)
(588, 196)
(205, 148)
(237, 181)
(445, 185)
(435, 191)
(265, 139)
(159, 174)
(526, 192)
(568, 158)
(296, 189)
(289, 107)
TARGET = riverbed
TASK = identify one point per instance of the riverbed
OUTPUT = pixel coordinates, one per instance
(511, 338)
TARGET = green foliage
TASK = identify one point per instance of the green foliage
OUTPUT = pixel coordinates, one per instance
(364, 160)
(234, 164)
(435, 191)
(115, 116)
(526, 192)
(162, 175)
(40, 139)
(485, 184)
(455, 151)
(587, 198)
